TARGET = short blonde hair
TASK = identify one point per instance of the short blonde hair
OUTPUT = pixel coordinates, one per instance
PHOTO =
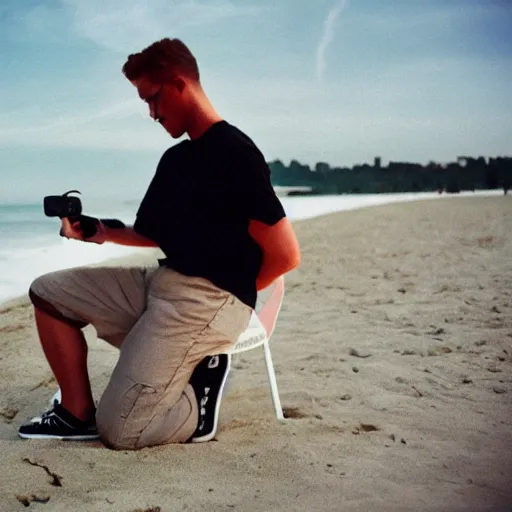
(160, 61)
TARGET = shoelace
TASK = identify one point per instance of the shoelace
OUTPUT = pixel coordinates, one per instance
(45, 414)
(48, 416)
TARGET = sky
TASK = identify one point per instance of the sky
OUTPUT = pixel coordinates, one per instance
(336, 81)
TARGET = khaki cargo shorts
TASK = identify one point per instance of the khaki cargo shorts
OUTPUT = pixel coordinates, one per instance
(164, 324)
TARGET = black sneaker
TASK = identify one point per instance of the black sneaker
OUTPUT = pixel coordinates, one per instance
(58, 423)
(208, 381)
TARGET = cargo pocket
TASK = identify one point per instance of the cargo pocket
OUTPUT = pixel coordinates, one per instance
(125, 410)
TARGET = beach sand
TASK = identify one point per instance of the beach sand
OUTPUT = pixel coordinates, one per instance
(393, 355)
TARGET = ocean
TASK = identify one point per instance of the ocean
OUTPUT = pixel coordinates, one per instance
(31, 245)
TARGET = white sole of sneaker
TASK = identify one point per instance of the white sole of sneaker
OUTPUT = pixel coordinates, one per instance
(60, 438)
(211, 435)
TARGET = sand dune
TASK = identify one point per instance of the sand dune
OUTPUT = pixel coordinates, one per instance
(393, 355)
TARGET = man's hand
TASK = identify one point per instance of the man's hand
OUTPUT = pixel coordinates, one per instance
(74, 231)
(281, 252)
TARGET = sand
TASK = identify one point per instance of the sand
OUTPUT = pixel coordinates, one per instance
(393, 354)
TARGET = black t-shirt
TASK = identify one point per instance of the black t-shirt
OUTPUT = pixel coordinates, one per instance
(198, 206)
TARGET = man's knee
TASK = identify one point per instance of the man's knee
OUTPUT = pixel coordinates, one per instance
(118, 416)
(48, 308)
(110, 440)
(110, 427)
(36, 293)
(131, 421)
(45, 282)
(38, 286)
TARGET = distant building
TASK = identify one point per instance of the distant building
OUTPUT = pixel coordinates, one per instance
(376, 162)
(463, 161)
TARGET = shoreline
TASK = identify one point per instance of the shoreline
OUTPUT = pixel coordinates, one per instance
(137, 257)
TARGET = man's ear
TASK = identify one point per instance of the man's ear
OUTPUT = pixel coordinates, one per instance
(179, 83)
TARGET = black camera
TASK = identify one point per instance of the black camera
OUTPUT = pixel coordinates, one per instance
(66, 206)
(63, 206)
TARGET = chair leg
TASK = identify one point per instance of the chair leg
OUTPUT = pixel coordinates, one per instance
(272, 381)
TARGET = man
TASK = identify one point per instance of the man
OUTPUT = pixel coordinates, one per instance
(213, 212)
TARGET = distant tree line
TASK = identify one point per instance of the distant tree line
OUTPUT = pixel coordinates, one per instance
(466, 173)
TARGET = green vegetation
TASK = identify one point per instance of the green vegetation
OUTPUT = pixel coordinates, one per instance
(465, 174)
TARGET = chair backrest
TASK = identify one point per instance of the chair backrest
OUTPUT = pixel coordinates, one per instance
(270, 310)
(262, 324)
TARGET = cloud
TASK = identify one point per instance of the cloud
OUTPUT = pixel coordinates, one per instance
(277, 113)
(119, 25)
(92, 107)
(327, 37)
(125, 124)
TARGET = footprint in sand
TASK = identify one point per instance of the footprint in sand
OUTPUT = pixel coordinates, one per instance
(295, 413)
(33, 498)
(8, 413)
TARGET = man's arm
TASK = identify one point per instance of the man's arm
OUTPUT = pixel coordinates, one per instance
(281, 252)
(127, 236)
(268, 224)
(121, 236)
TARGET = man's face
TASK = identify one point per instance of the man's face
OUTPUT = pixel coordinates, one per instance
(166, 104)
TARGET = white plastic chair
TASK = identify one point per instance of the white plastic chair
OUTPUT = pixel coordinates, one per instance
(260, 329)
